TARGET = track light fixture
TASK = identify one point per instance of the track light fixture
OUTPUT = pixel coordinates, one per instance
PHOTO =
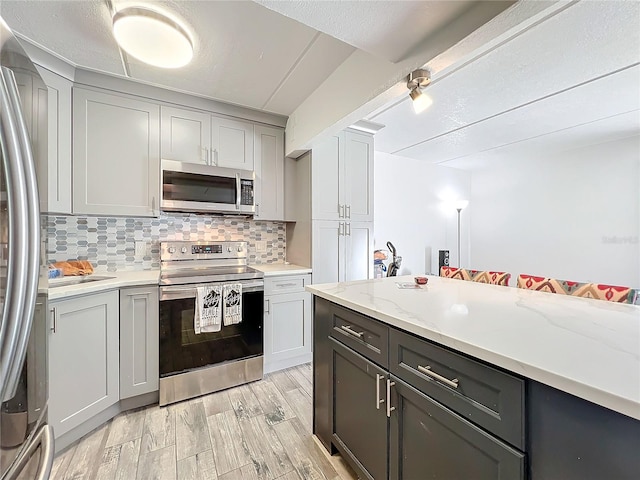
(416, 81)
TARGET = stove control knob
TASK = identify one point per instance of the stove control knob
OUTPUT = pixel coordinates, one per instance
(239, 249)
(184, 250)
(229, 249)
(172, 250)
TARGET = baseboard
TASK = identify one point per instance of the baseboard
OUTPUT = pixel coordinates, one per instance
(66, 440)
(270, 367)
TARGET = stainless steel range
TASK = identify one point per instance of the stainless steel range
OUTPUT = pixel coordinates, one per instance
(193, 364)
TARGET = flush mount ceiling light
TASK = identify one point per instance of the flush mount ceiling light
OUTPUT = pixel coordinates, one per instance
(152, 37)
(416, 81)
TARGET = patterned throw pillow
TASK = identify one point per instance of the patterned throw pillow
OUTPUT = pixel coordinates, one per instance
(610, 293)
(492, 278)
(455, 272)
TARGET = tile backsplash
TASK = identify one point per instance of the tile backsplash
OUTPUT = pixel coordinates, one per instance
(109, 242)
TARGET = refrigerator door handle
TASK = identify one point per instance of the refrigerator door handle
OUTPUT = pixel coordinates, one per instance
(24, 234)
(44, 439)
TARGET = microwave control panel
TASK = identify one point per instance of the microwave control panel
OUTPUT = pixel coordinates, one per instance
(246, 192)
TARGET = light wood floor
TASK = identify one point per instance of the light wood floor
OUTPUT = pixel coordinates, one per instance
(257, 431)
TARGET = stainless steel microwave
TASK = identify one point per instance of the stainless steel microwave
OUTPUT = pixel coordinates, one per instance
(192, 187)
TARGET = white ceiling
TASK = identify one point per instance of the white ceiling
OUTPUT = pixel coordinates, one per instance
(269, 57)
(389, 30)
(572, 80)
(244, 53)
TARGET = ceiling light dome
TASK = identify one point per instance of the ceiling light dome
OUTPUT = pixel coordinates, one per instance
(152, 37)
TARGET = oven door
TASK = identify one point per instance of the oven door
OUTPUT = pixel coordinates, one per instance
(182, 350)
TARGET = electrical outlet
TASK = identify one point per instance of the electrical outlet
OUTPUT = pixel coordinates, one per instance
(141, 249)
(261, 246)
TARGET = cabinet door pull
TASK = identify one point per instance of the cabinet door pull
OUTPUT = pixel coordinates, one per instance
(389, 407)
(54, 315)
(204, 155)
(348, 229)
(341, 210)
(341, 229)
(267, 305)
(427, 371)
(378, 399)
(214, 159)
(348, 211)
(347, 328)
(257, 209)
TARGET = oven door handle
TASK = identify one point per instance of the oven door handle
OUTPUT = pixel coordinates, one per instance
(175, 292)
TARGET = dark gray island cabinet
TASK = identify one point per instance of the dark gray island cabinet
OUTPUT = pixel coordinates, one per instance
(397, 406)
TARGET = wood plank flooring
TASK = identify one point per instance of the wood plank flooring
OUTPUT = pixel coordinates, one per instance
(259, 431)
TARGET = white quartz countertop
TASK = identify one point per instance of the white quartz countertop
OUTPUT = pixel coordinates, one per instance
(118, 280)
(279, 269)
(588, 348)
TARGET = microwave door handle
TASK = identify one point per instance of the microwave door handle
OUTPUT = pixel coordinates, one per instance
(238, 191)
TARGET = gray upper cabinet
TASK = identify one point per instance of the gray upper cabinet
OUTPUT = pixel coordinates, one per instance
(342, 173)
(269, 168)
(83, 359)
(54, 165)
(116, 154)
(358, 176)
(47, 113)
(231, 143)
(186, 135)
(139, 340)
(327, 179)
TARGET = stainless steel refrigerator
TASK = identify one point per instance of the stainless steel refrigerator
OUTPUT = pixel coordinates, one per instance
(26, 441)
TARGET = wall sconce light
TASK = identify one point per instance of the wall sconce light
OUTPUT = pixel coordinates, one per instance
(416, 81)
(152, 37)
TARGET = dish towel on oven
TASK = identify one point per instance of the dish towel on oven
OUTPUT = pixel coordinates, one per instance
(208, 314)
(232, 295)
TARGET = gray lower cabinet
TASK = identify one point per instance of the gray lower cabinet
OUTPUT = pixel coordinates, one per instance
(359, 419)
(427, 440)
(83, 358)
(417, 423)
(287, 322)
(139, 341)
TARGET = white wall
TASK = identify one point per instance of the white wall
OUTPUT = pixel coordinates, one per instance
(574, 216)
(408, 210)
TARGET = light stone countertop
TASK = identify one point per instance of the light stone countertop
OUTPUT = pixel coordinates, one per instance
(585, 347)
(280, 269)
(119, 280)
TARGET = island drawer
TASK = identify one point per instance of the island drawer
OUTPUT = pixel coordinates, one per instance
(367, 337)
(286, 284)
(490, 398)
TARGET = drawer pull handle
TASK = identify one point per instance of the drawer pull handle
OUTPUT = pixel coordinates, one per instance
(427, 371)
(378, 399)
(347, 328)
(389, 407)
(283, 285)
